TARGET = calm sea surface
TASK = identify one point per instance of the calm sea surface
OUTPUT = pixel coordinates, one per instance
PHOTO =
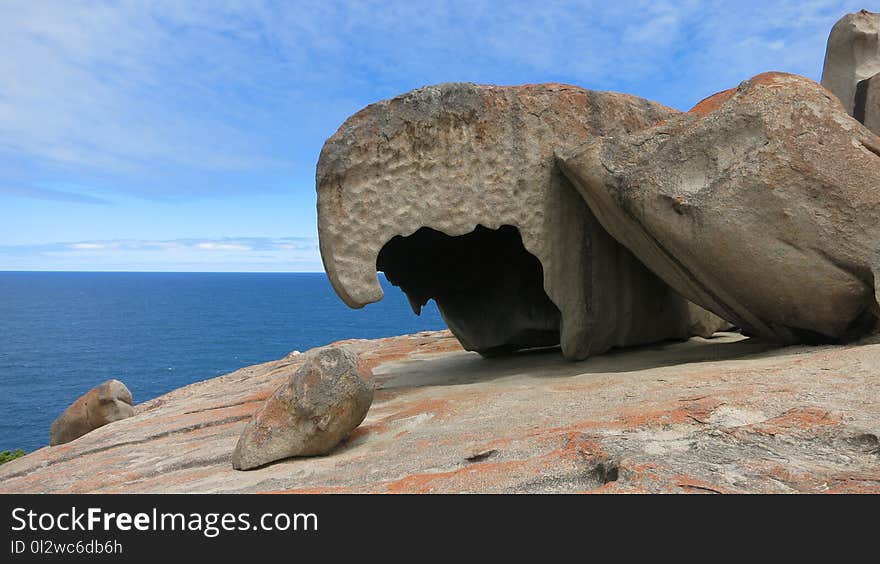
(61, 333)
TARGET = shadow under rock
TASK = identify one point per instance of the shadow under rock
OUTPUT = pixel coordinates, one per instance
(467, 368)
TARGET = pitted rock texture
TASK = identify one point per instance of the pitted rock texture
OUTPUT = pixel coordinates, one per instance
(852, 55)
(762, 205)
(103, 404)
(726, 415)
(454, 158)
(319, 406)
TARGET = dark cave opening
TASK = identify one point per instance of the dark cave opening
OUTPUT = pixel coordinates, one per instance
(861, 100)
(487, 286)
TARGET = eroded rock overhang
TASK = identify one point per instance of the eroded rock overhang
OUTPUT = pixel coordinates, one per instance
(455, 157)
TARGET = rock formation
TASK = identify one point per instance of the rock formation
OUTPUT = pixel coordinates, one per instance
(453, 192)
(310, 413)
(723, 415)
(103, 404)
(762, 205)
(868, 109)
(851, 59)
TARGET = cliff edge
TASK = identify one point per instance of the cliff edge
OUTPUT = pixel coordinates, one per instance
(726, 414)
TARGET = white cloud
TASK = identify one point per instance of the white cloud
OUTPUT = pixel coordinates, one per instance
(135, 89)
(117, 85)
(89, 246)
(42, 193)
(252, 254)
(212, 246)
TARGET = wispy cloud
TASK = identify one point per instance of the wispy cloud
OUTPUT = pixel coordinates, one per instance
(212, 246)
(94, 84)
(51, 194)
(104, 101)
(294, 254)
(213, 86)
(88, 246)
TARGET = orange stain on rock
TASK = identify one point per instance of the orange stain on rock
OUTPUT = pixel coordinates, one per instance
(798, 418)
(577, 446)
(690, 412)
(855, 485)
(394, 349)
(468, 478)
(708, 105)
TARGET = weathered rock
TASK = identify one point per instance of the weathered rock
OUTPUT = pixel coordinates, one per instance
(720, 415)
(453, 192)
(319, 406)
(704, 323)
(868, 107)
(852, 55)
(762, 205)
(103, 404)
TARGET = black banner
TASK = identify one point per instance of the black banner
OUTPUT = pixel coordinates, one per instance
(122, 528)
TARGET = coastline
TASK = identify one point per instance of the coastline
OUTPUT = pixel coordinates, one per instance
(726, 414)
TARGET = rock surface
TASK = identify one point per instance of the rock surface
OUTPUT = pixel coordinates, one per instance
(852, 55)
(103, 404)
(453, 192)
(309, 414)
(719, 415)
(762, 205)
(869, 103)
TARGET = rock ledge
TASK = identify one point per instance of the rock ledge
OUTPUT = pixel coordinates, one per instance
(719, 415)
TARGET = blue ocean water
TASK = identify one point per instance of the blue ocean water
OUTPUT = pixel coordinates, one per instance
(61, 333)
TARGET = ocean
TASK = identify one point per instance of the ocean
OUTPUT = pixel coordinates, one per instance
(62, 333)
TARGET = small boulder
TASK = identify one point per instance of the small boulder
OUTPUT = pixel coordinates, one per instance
(108, 402)
(319, 406)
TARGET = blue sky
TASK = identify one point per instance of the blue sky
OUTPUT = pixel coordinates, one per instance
(183, 136)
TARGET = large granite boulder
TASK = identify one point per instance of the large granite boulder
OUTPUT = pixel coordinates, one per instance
(103, 404)
(762, 205)
(851, 59)
(309, 414)
(453, 192)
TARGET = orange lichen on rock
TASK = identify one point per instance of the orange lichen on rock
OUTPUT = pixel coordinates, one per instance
(697, 417)
(708, 105)
(711, 103)
(683, 413)
(382, 351)
(797, 419)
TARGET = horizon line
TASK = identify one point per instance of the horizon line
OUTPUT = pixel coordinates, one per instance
(2, 271)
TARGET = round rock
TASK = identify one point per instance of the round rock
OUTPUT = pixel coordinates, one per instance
(103, 404)
(319, 406)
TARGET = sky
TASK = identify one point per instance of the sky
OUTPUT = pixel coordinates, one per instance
(183, 136)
